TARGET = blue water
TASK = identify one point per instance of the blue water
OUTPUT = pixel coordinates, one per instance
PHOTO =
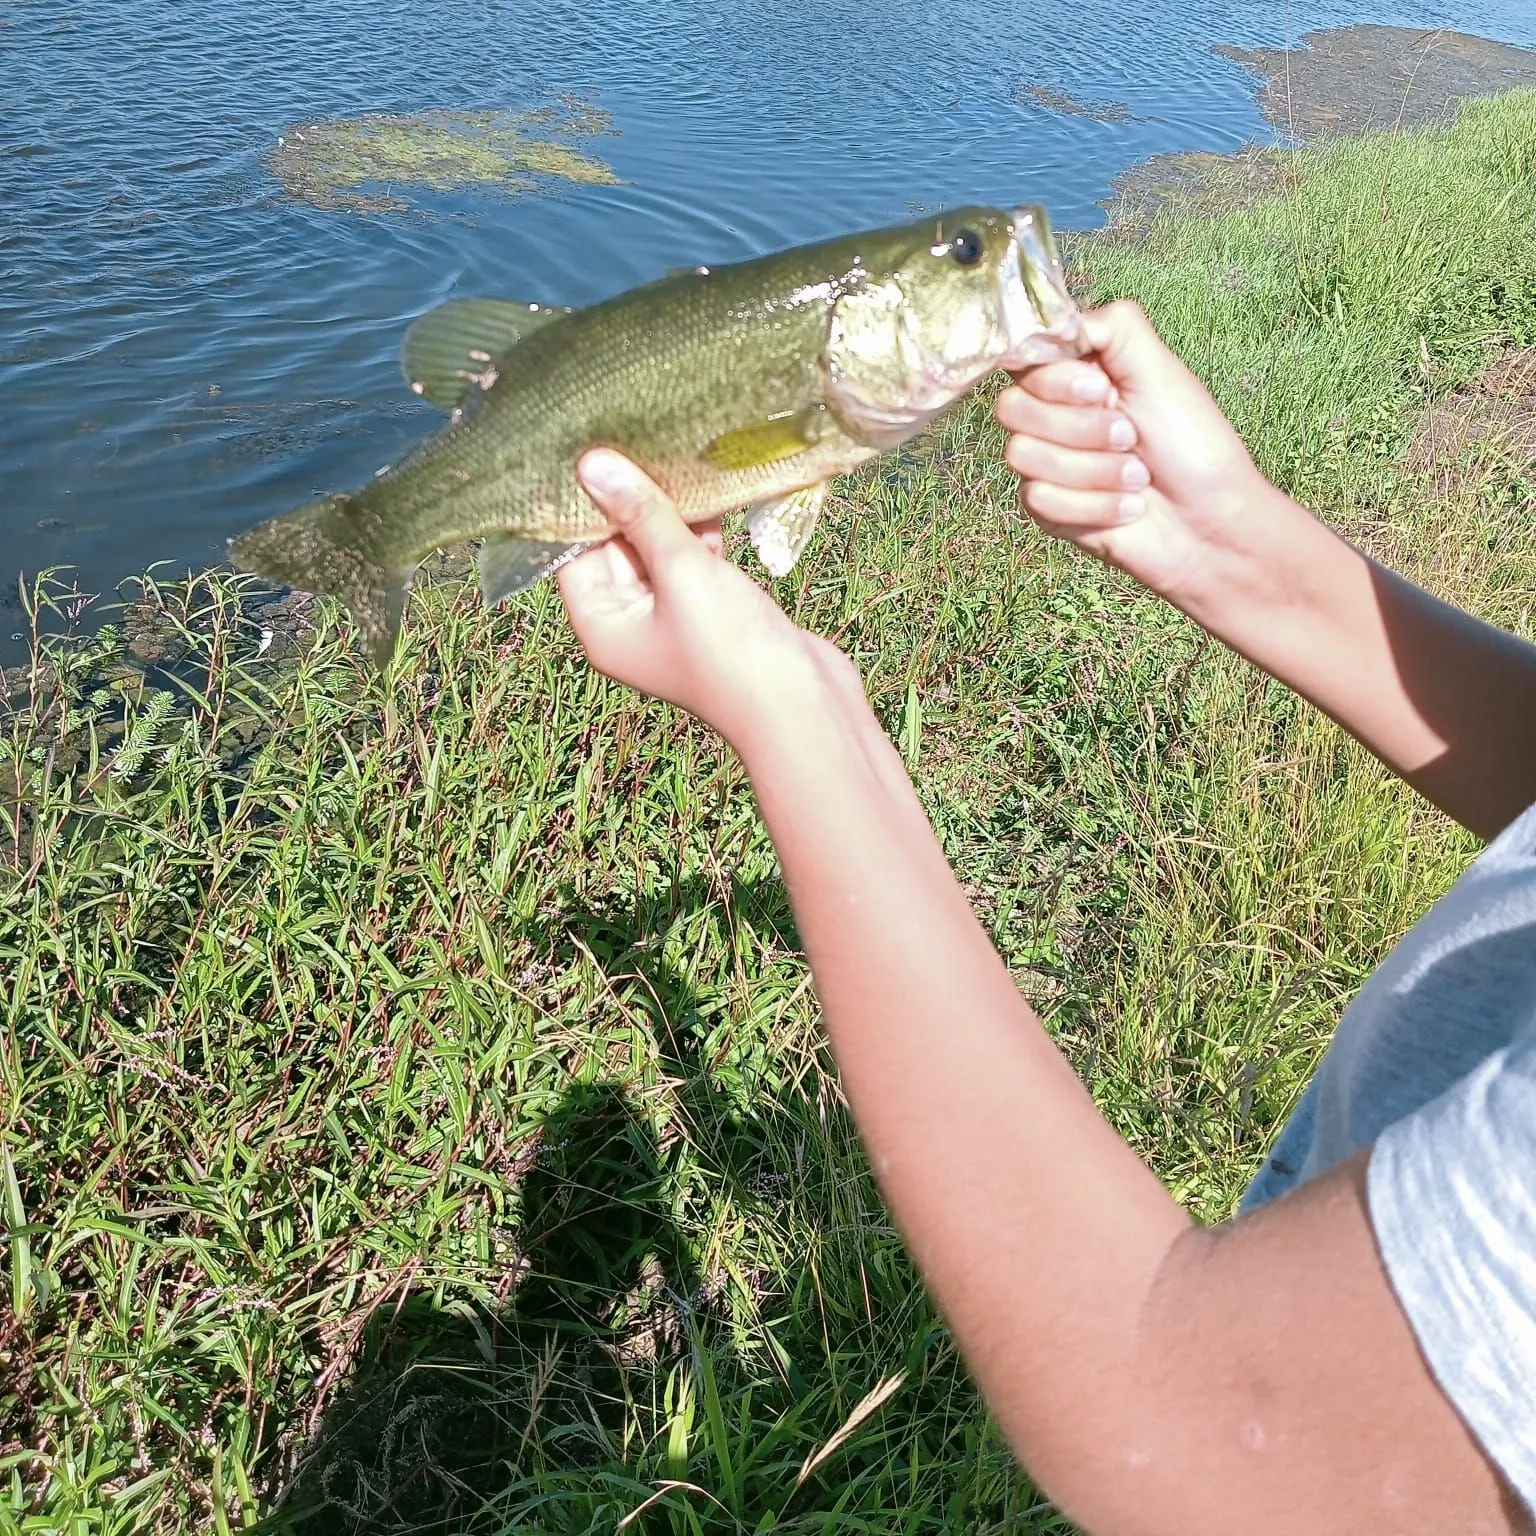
(183, 351)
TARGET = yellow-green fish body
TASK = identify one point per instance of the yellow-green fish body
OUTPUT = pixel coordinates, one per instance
(743, 386)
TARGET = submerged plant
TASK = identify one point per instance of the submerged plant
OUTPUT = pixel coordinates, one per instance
(365, 163)
(1033, 94)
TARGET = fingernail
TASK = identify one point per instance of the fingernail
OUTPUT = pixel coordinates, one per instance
(601, 470)
(1131, 507)
(1089, 386)
(1133, 475)
(1121, 433)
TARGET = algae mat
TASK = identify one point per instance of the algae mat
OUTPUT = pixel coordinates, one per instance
(1338, 83)
(1350, 80)
(370, 164)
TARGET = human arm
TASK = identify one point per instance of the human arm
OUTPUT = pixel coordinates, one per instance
(1442, 698)
(1153, 1376)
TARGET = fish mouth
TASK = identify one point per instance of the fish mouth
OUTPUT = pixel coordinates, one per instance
(1040, 316)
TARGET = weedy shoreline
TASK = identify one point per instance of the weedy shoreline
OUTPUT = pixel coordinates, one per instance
(412, 1109)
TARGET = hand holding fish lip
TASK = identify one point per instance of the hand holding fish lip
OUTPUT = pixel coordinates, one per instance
(659, 609)
(1126, 455)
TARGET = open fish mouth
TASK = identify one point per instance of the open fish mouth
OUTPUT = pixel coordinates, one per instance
(1040, 317)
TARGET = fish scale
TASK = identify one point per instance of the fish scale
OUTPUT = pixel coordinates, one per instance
(748, 385)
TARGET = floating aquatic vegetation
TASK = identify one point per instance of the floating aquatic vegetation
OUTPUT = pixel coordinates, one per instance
(1351, 80)
(370, 164)
(1194, 184)
(1029, 95)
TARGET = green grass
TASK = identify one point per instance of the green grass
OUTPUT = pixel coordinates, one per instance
(412, 1109)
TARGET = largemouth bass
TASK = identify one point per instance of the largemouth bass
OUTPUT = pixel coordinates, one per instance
(748, 385)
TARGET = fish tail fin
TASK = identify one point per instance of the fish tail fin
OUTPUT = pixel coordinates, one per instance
(322, 548)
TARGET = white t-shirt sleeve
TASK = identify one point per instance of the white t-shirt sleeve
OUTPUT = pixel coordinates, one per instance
(1452, 1190)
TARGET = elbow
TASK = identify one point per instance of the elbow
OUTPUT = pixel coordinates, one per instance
(1144, 1476)
(1119, 1483)
(1170, 1439)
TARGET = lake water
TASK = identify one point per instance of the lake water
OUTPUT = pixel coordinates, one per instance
(184, 350)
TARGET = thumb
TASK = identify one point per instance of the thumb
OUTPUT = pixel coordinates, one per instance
(1145, 370)
(1127, 347)
(636, 507)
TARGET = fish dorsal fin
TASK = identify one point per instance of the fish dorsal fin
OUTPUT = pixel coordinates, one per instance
(455, 347)
(766, 442)
(509, 564)
(781, 529)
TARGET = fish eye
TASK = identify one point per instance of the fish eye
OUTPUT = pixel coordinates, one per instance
(966, 248)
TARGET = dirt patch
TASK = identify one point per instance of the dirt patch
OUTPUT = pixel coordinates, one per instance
(1352, 80)
(1483, 425)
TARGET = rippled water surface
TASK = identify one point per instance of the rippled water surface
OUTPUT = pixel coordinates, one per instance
(184, 351)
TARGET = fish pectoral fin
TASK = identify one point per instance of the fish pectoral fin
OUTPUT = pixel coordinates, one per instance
(766, 442)
(509, 564)
(781, 529)
(454, 348)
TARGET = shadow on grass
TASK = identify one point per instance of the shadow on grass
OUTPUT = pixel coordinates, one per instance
(450, 1403)
(447, 1403)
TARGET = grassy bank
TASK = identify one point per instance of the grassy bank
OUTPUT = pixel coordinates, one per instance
(412, 1110)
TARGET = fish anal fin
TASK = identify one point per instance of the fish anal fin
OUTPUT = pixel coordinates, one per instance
(781, 528)
(766, 442)
(509, 564)
(454, 349)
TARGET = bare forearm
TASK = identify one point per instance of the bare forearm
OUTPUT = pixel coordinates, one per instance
(1137, 1362)
(1156, 1377)
(1445, 700)
(1037, 1228)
